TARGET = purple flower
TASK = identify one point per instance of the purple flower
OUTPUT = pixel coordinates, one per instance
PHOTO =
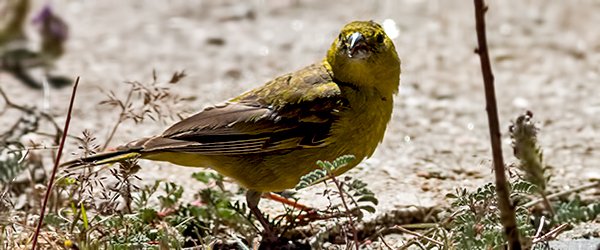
(51, 25)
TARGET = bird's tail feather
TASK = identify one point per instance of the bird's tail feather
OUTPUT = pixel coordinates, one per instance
(103, 158)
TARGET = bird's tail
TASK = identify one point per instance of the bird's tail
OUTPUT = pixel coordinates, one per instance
(103, 158)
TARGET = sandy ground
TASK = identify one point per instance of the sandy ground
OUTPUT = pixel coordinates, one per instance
(546, 58)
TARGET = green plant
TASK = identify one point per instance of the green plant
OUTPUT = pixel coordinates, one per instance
(523, 133)
(575, 211)
(476, 224)
(475, 218)
(349, 190)
(356, 190)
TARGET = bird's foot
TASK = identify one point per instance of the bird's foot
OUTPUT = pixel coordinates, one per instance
(268, 234)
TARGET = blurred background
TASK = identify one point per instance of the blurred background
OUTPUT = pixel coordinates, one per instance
(545, 56)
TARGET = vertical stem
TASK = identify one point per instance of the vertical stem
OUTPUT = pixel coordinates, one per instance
(507, 211)
(547, 203)
(338, 185)
(56, 163)
(121, 119)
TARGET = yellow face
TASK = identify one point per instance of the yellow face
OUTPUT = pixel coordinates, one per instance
(363, 54)
(359, 40)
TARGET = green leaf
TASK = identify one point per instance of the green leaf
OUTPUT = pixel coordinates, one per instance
(368, 198)
(148, 215)
(204, 177)
(326, 167)
(368, 208)
(84, 217)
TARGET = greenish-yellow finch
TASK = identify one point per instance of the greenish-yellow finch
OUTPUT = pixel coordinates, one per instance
(269, 137)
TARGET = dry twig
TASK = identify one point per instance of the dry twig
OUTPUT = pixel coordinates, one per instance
(418, 235)
(348, 213)
(550, 235)
(563, 193)
(48, 117)
(55, 168)
(507, 210)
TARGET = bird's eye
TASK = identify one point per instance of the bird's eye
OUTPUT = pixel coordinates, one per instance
(379, 38)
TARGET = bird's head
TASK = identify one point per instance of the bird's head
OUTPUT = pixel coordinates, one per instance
(363, 55)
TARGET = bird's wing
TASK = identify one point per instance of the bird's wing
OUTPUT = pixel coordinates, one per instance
(292, 111)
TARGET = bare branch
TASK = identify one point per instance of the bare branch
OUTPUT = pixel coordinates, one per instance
(56, 163)
(507, 210)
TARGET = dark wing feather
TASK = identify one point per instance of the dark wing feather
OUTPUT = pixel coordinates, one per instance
(292, 111)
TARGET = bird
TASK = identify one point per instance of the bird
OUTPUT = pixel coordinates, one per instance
(267, 138)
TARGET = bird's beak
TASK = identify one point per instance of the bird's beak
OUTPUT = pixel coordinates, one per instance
(355, 42)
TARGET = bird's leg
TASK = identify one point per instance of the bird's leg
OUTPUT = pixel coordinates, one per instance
(253, 198)
(292, 203)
